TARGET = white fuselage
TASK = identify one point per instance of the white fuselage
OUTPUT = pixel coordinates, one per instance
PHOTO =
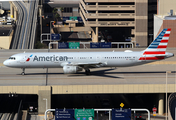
(60, 59)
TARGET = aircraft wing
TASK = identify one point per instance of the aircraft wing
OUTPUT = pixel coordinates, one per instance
(85, 65)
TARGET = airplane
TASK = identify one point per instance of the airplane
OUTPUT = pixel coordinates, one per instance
(72, 62)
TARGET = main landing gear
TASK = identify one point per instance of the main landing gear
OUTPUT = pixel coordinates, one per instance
(23, 73)
(87, 71)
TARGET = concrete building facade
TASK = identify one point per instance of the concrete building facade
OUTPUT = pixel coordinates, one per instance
(164, 7)
(121, 18)
(6, 33)
(166, 18)
(45, 92)
(70, 7)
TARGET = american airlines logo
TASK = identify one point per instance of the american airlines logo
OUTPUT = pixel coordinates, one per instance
(50, 58)
(29, 58)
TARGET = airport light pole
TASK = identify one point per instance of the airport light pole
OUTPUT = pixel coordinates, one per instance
(166, 95)
(48, 51)
(1, 8)
(46, 102)
(166, 91)
(175, 79)
(50, 29)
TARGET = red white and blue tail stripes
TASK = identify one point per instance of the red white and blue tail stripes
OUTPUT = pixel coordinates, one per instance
(160, 43)
(157, 48)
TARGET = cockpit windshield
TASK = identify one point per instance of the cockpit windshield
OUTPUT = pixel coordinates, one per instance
(12, 58)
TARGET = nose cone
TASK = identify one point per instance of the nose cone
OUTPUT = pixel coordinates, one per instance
(5, 62)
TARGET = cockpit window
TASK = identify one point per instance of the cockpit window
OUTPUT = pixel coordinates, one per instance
(12, 58)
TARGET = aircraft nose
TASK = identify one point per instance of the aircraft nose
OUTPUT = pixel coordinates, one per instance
(5, 63)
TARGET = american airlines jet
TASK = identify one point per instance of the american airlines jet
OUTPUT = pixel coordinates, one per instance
(72, 62)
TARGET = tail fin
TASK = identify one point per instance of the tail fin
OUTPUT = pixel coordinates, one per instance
(159, 45)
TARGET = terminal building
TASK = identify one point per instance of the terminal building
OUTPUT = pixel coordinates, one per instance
(117, 20)
(112, 20)
(120, 20)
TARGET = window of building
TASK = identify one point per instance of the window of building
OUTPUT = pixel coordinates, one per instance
(68, 9)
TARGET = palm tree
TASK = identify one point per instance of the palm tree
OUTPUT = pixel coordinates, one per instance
(54, 11)
(62, 10)
(57, 16)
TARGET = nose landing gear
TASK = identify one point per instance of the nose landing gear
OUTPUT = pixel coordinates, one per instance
(23, 73)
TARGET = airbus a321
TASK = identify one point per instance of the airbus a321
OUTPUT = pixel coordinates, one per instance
(72, 62)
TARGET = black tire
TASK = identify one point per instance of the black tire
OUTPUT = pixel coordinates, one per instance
(87, 72)
(22, 73)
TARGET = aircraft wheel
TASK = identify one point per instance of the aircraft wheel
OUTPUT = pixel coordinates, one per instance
(22, 73)
(87, 72)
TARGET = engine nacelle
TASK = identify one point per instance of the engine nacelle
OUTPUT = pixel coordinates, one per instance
(71, 69)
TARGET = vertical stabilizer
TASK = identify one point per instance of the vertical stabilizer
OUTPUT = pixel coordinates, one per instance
(159, 45)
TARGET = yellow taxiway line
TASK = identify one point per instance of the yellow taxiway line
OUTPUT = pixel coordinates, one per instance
(162, 62)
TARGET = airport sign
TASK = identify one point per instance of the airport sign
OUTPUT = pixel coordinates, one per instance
(74, 45)
(154, 113)
(154, 109)
(121, 105)
(62, 45)
(84, 114)
(121, 114)
(55, 37)
(64, 114)
(105, 44)
(73, 18)
(94, 45)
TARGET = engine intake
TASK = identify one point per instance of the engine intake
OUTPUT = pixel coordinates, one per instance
(71, 69)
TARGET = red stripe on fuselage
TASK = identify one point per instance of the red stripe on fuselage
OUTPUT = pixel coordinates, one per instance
(151, 58)
(153, 52)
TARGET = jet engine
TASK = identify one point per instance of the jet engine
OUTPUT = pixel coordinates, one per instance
(71, 69)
